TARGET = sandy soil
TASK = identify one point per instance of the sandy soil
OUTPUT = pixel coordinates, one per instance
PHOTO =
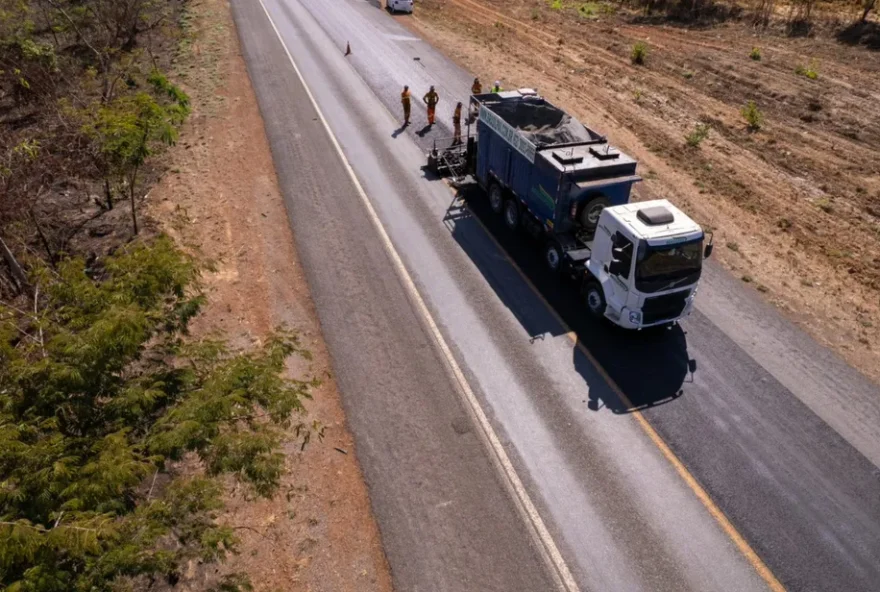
(795, 206)
(220, 198)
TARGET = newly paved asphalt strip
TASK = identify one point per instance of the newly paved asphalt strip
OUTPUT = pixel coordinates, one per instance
(783, 452)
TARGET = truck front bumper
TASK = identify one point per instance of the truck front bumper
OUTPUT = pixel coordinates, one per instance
(632, 319)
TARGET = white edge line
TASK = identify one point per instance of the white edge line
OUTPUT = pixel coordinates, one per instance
(561, 572)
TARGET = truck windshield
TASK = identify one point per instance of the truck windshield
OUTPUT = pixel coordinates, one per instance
(667, 266)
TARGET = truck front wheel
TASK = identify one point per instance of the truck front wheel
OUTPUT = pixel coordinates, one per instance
(511, 214)
(595, 299)
(496, 198)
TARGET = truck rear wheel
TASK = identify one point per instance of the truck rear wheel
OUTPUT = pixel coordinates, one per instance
(511, 214)
(595, 299)
(496, 198)
(589, 215)
(553, 256)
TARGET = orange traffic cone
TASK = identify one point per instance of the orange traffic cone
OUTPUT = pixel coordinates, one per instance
(347, 48)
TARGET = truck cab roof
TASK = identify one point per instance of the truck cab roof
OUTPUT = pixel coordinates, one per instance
(657, 221)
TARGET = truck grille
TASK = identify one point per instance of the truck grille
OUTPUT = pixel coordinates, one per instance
(661, 308)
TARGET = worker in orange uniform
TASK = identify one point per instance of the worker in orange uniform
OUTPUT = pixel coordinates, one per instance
(456, 125)
(431, 99)
(405, 101)
(476, 88)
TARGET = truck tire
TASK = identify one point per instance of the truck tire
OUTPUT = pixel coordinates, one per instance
(496, 198)
(553, 256)
(590, 212)
(595, 299)
(511, 214)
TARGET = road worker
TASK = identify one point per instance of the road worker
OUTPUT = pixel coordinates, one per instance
(477, 88)
(405, 101)
(497, 88)
(456, 125)
(431, 99)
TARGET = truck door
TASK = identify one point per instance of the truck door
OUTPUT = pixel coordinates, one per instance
(619, 270)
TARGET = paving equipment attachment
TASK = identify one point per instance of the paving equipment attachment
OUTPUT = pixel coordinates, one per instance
(449, 162)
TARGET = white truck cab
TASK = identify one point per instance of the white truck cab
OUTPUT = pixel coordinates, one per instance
(645, 263)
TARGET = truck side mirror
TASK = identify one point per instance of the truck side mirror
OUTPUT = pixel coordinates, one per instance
(708, 251)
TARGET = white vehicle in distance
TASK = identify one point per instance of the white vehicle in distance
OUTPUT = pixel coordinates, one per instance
(399, 6)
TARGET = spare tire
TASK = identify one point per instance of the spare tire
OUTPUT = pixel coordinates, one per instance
(588, 217)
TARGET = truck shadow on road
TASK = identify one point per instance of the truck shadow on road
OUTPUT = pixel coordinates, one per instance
(650, 366)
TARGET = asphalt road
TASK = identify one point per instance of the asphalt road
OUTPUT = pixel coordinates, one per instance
(783, 436)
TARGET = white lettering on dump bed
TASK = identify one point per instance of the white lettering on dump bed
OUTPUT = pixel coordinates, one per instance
(506, 131)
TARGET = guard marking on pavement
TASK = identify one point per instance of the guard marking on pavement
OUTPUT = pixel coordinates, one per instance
(560, 571)
(723, 521)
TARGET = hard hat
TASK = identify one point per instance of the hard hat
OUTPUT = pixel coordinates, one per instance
(497, 83)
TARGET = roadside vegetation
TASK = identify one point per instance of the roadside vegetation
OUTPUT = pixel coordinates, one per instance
(753, 116)
(84, 102)
(120, 434)
(639, 53)
(102, 399)
(697, 135)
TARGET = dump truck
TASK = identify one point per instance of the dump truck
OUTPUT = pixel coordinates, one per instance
(637, 264)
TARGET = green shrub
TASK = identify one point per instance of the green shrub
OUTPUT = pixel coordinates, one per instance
(825, 205)
(592, 10)
(753, 116)
(639, 53)
(129, 129)
(696, 137)
(755, 54)
(100, 396)
(811, 71)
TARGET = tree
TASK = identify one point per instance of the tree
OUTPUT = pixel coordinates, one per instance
(763, 11)
(132, 127)
(868, 6)
(800, 15)
(99, 396)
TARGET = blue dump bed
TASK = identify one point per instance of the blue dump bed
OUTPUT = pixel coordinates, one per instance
(550, 160)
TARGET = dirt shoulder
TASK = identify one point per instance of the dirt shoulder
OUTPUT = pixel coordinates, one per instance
(219, 197)
(795, 206)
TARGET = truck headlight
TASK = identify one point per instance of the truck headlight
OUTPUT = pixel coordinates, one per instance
(635, 317)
